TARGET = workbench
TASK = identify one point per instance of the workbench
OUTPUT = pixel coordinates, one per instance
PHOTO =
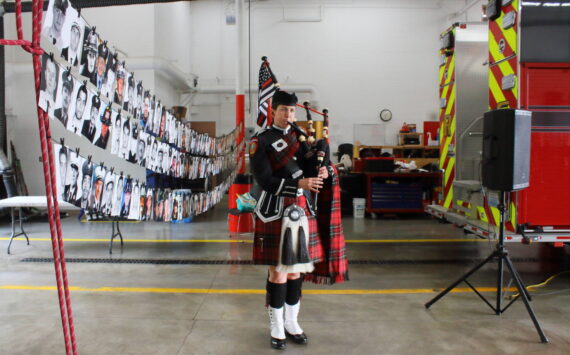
(389, 192)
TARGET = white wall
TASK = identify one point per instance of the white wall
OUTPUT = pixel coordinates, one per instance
(359, 56)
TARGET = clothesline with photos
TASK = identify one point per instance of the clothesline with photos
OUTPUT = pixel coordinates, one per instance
(94, 97)
(102, 191)
(91, 92)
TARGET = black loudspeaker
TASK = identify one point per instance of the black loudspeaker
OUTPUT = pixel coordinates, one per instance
(506, 149)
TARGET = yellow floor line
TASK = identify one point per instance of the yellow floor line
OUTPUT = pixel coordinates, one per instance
(243, 291)
(348, 241)
(85, 221)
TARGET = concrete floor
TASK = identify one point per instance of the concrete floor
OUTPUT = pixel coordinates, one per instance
(125, 308)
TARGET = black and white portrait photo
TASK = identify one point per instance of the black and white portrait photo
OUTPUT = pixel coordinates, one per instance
(73, 47)
(125, 139)
(134, 210)
(63, 103)
(118, 96)
(89, 53)
(152, 156)
(133, 141)
(91, 118)
(141, 149)
(108, 87)
(86, 182)
(61, 167)
(158, 112)
(116, 132)
(48, 84)
(72, 188)
(108, 194)
(54, 22)
(99, 175)
(138, 103)
(77, 109)
(129, 93)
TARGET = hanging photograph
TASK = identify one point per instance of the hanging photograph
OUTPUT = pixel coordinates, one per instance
(152, 156)
(187, 210)
(118, 195)
(125, 139)
(149, 203)
(148, 151)
(141, 149)
(153, 127)
(98, 77)
(182, 138)
(89, 53)
(120, 87)
(108, 194)
(129, 93)
(177, 207)
(116, 133)
(54, 22)
(91, 117)
(173, 135)
(138, 103)
(167, 205)
(159, 205)
(77, 109)
(173, 169)
(100, 172)
(167, 122)
(103, 133)
(142, 203)
(134, 210)
(86, 182)
(61, 168)
(72, 47)
(63, 103)
(108, 87)
(182, 166)
(177, 134)
(146, 109)
(126, 202)
(162, 122)
(48, 85)
(159, 159)
(167, 159)
(133, 141)
(72, 189)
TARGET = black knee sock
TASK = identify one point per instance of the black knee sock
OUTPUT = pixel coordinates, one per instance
(294, 291)
(276, 294)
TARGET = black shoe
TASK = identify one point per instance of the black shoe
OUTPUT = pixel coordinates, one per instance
(279, 344)
(298, 338)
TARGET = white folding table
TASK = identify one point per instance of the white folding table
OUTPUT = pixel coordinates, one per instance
(19, 202)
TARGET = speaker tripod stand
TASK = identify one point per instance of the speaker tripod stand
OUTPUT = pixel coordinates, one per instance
(502, 256)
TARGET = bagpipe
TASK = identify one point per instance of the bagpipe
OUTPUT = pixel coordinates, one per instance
(316, 151)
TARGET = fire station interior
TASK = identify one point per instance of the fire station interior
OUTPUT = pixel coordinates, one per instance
(447, 123)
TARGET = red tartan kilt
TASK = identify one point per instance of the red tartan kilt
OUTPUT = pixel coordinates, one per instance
(268, 236)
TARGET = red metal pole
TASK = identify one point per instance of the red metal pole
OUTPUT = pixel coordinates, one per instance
(240, 123)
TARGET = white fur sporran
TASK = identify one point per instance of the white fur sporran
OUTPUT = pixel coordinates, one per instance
(294, 245)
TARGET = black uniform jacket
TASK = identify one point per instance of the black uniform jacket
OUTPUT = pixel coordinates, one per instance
(277, 162)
